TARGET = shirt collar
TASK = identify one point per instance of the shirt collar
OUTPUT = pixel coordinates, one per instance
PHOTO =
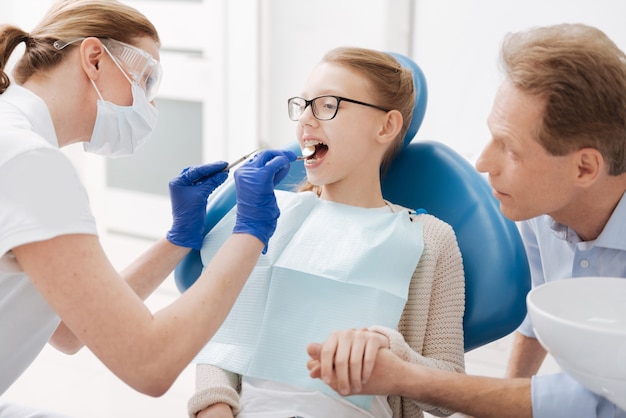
(612, 236)
(33, 108)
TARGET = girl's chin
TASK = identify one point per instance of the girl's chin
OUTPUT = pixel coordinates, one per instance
(315, 180)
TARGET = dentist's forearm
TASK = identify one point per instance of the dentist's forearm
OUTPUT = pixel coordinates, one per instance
(144, 276)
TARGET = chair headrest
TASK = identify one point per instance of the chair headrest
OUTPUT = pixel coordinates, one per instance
(421, 95)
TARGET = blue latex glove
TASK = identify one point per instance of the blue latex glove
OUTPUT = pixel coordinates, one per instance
(189, 193)
(257, 211)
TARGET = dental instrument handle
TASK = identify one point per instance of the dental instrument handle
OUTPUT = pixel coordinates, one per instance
(242, 159)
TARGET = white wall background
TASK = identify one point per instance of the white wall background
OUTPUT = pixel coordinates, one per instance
(457, 45)
(271, 45)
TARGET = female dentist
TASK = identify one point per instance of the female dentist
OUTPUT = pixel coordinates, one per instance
(89, 74)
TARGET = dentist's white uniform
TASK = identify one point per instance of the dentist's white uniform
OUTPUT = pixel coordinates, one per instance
(32, 208)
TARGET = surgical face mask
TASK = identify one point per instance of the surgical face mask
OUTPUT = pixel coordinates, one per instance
(121, 130)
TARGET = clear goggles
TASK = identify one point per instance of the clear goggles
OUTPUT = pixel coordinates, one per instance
(140, 66)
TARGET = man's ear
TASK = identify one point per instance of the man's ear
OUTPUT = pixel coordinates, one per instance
(391, 127)
(590, 164)
(91, 53)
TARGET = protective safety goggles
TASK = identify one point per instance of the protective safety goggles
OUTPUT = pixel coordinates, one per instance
(142, 68)
(139, 65)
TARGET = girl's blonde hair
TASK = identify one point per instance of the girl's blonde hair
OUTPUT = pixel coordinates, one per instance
(65, 21)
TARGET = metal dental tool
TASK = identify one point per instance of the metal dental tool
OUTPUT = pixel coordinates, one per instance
(242, 159)
(307, 152)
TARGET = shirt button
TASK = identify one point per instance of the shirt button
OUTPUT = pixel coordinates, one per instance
(584, 264)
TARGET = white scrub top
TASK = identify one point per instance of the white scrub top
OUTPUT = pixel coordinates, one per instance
(41, 197)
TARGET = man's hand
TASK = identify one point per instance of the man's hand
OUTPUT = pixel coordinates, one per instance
(365, 367)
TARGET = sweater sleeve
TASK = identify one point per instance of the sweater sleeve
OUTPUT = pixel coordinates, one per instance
(214, 385)
(430, 331)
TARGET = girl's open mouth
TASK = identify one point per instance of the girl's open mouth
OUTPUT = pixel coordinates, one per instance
(313, 151)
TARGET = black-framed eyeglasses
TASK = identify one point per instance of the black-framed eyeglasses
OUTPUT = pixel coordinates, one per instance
(323, 107)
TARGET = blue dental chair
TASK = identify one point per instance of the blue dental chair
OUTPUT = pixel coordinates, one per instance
(430, 175)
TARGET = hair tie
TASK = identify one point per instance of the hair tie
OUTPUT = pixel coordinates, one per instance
(28, 41)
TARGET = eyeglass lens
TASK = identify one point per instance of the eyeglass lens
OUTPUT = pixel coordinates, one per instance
(323, 107)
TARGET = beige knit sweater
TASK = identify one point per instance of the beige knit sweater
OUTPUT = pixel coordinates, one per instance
(430, 331)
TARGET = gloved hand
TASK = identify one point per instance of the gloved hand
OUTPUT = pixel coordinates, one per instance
(257, 211)
(189, 193)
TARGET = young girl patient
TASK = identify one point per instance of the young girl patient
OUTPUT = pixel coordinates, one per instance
(341, 258)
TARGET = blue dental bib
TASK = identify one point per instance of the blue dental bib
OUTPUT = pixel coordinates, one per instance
(328, 267)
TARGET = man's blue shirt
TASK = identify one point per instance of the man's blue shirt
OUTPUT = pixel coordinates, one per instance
(556, 252)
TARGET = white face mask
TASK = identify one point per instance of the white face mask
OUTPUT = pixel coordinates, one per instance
(121, 130)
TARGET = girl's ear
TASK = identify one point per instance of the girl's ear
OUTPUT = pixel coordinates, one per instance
(590, 164)
(91, 53)
(391, 127)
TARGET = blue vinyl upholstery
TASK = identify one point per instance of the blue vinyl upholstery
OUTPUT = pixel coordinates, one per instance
(431, 176)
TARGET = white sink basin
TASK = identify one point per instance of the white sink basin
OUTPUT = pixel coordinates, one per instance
(582, 323)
